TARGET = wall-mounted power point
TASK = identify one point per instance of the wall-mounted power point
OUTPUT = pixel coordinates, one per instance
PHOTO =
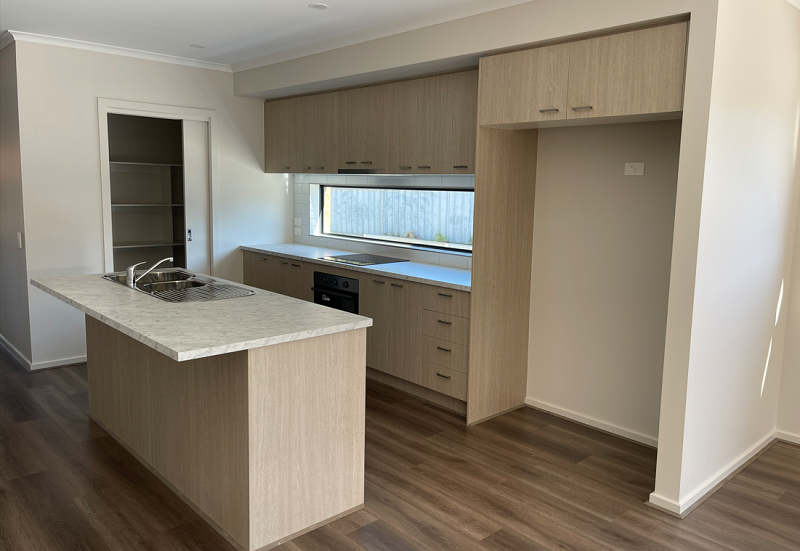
(19, 239)
(634, 169)
(297, 221)
(297, 231)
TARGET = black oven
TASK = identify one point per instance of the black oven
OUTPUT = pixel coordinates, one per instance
(336, 292)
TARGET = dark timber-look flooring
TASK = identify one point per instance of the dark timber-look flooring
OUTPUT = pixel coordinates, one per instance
(525, 481)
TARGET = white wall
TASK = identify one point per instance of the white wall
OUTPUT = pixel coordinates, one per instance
(602, 245)
(789, 405)
(15, 328)
(745, 235)
(58, 91)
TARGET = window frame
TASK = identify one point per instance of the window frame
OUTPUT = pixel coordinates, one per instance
(403, 244)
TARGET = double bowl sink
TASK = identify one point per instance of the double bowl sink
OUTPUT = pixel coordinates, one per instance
(178, 285)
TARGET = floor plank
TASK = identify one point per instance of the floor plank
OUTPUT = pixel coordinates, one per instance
(525, 481)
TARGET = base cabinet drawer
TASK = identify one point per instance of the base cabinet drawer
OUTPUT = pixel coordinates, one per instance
(447, 301)
(449, 382)
(445, 354)
(445, 327)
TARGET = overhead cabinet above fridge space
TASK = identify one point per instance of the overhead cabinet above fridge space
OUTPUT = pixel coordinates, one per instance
(420, 126)
(633, 73)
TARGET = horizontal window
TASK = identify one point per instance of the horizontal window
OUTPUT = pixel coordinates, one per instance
(440, 218)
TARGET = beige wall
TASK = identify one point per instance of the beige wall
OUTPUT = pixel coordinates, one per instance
(58, 91)
(15, 327)
(602, 244)
(745, 236)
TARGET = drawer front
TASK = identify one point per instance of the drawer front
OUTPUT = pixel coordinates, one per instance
(446, 301)
(441, 379)
(446, 354)
(445, 327)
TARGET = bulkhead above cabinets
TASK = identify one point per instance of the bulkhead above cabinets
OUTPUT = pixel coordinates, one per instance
(635, 73)
(426, 125)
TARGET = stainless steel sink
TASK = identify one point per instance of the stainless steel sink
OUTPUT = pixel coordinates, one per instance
(178, 285)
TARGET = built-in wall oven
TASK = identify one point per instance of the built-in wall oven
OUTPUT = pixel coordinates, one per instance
(336, 292)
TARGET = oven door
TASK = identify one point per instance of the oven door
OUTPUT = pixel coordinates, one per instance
(347, 302)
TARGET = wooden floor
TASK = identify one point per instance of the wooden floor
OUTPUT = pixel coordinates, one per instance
(525, 481)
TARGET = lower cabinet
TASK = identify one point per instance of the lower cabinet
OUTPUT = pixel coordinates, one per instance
(419, 333)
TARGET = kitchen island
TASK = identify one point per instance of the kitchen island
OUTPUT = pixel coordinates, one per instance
(251, 409)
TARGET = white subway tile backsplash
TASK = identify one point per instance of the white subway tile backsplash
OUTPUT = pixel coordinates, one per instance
(302, 239)
(318, 241)
(425, 256)
(355, 246)
(454, 261)
(375, 249)
(300, 208)
(337, 179)
(460, 181)
(318, 178)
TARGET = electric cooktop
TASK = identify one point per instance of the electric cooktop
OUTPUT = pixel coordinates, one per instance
(362, 259)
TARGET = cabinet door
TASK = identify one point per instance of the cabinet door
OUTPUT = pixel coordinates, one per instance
(398, 137)
(456, 123)
(249, 271)
(404, 307)
(424, 130)
(348, 130)
(320, 136)
(524, 86)
(373, 303)
(631, 73)
(283, 134)
(371, 116)
(260, 271)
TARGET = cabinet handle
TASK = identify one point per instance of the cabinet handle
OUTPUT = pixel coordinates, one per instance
(554, 110)
(444, 349)
(296, 265)
(421, 167)
(442, 376)
(320, 168)
(286, 168)
(445, 322)
(405, 168)
(582, 108)
(460, 166)
(395, 285)
(350, 163)
(381, 282)
(445, 295)
(282, 262)
(308, 168)
(366, 162)
(263, 258)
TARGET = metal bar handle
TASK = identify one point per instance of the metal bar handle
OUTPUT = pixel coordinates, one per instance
(460, 166)
(395, 285)
(424, 166)
(332, 293)
(442, 376)
(296, 265)
(282, 262)
(445, 295)
(445, 322)
(378, 281)
(350, 162)
(444, 349)
(366, 162)
(553, 110)
(582, 108)
(405, 168)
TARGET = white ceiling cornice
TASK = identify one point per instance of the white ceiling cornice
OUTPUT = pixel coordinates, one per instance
(10, 36)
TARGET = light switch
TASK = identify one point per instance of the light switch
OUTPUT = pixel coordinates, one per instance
(297, 231)
(297, 221)
(634, 169)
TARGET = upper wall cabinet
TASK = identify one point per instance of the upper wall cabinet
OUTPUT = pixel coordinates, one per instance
(633, 73)
(421, 126)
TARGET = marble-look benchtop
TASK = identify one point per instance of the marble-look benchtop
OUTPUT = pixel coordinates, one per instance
(430, 274)
(191, 330)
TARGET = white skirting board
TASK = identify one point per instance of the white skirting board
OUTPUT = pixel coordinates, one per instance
(595, 423)
(16, 354)
(31, 366)
(789, 437)
(713, 483)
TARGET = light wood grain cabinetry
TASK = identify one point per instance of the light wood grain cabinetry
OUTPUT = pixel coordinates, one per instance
(292, 278)
(447, 301)
(446, 354)
(419, 126)
(638, 72)
(524, 86)
(446, 327)
(404, 309)
(374, 303)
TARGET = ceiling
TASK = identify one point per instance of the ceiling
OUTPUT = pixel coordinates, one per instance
(235, 31)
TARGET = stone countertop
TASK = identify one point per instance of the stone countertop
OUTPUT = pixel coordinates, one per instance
(190, 330)
(431, 274)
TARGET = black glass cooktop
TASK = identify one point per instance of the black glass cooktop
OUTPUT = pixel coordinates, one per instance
(362, 259)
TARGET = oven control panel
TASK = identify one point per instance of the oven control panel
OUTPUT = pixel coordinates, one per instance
(335, 282)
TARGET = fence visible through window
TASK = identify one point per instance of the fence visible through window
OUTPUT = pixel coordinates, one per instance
(432, 218)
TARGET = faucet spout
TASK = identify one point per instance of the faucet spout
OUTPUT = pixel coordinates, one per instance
(133, 279)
